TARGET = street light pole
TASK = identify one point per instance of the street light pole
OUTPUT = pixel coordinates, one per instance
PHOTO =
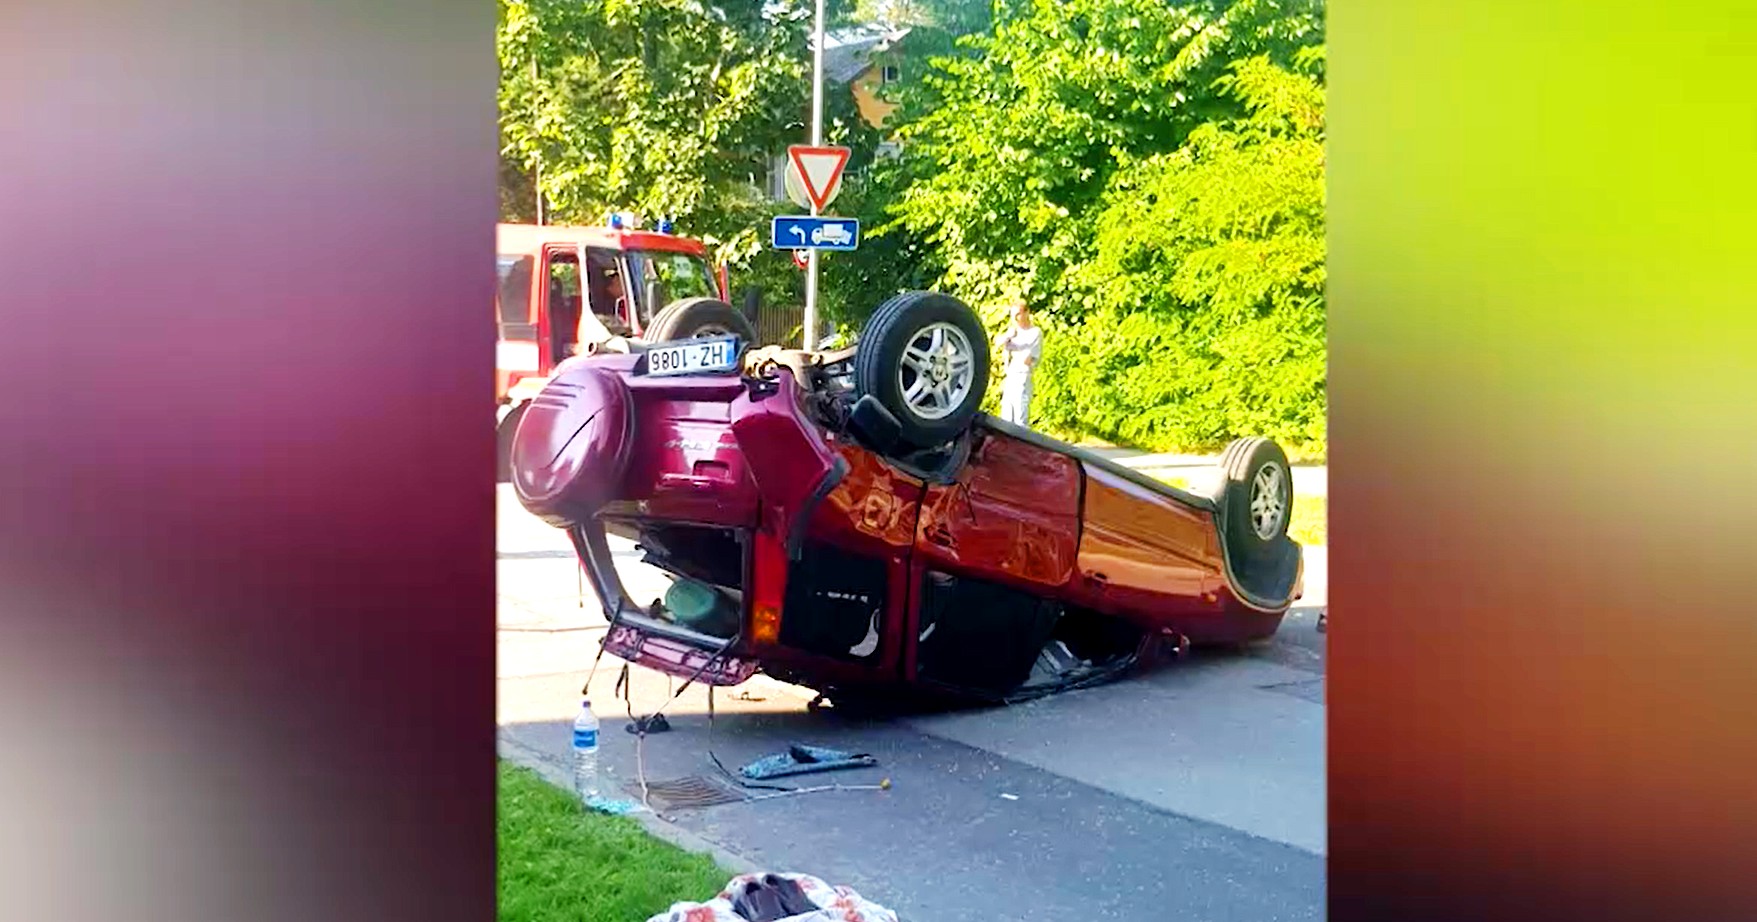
(809, 334)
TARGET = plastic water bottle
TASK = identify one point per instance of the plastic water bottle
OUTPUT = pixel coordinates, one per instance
(585, 752)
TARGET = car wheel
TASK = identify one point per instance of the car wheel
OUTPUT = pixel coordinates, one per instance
(924, 356)
(503, 438)
(1258, 499)
(693, 318)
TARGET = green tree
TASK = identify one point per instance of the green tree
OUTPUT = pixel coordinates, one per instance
(661, 106)
(1039, 158)
(1013, 145)
(956, 17)
(1205, 316)
(890, 259)
(666, 107)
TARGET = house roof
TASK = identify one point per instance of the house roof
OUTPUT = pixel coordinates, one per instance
(848, 54)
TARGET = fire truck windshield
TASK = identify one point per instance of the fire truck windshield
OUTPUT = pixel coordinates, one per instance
(679, 275)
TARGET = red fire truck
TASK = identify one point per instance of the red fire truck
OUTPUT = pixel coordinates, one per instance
(565, 289)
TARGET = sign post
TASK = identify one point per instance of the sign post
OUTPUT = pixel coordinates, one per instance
(817, 140)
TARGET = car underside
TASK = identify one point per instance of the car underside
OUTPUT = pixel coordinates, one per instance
(851, 522)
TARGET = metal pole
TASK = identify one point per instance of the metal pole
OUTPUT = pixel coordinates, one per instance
(809, 334)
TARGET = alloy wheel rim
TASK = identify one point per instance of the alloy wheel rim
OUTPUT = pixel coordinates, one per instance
(1268, 501)
(937, 371)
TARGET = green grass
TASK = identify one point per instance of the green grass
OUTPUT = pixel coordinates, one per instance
(560, 862)
(1309, 524)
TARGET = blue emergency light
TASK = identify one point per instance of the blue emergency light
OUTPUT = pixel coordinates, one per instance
(615, 221)
(665, 225)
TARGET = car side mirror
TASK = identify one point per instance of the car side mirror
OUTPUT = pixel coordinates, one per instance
(655, 293)
(874, 425)
(753, 303)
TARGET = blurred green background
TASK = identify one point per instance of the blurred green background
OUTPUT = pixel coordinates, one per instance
(1543, 364)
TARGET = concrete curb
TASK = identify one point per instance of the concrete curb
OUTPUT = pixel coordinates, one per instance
(1308, 479)
(1139, 461)
(1174, 460)
(557, 774)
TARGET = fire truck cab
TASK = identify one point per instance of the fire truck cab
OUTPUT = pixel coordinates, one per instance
(561, 287)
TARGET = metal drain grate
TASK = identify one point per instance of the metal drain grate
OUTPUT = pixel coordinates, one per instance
(685, 793)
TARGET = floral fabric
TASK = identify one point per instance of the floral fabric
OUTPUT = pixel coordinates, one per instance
(835, 904)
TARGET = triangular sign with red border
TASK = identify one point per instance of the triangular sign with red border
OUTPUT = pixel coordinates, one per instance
(820, 171)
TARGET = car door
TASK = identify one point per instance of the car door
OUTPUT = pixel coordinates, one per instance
(516, 351)
(559, 296)
(605, 282)
(994, 551)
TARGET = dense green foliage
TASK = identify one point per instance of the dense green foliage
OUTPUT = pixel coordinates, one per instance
(1134, 170)
(1022, 140)
(1202, 310)
(663, 107)
(1149, 174)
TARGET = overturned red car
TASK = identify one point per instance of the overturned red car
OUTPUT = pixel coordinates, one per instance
(850, 522)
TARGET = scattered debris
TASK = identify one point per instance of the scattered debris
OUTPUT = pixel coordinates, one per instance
(1323, 620)
(1055, 661)
(613, 806)
(1005, 796)
(772, 897)
(883, 785)
(779, 898)
(654, 724)
(701, 607)
(803, 760)
(1057, 669)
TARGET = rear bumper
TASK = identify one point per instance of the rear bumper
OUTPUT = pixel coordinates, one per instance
(649, 644)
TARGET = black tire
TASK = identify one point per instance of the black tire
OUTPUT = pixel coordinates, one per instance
(1254, 530)
(878, 363)
(690, 318)
(503, 440)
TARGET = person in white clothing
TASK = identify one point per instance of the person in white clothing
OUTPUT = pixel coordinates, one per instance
(1021, 350)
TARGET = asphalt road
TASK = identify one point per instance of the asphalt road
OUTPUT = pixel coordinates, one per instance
(1195, 792)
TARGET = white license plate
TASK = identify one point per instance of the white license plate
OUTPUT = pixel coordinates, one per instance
(693, 357)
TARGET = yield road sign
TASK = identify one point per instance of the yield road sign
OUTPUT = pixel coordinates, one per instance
(805, 232)
(819, 170)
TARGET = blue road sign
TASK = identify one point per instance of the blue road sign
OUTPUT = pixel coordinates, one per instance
(804, 232)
